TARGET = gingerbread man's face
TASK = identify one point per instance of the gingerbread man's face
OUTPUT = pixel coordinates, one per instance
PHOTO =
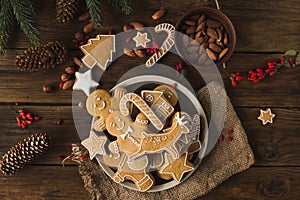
(115, 126)
(99, 103)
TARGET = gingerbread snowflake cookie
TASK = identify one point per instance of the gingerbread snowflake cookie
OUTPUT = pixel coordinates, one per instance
(157, 140)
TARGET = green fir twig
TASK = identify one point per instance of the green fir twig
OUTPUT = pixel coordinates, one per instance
(123, 5)
(94, 7)
(24, 12)
(6, 18)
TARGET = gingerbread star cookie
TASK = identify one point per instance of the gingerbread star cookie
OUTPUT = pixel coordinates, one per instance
(95, 144)
(266, 116)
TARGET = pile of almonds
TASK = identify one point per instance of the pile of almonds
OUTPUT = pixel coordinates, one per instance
(68, 78)
(209, 33)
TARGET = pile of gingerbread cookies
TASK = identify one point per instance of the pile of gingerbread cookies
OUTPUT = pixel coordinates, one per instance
(150, 138)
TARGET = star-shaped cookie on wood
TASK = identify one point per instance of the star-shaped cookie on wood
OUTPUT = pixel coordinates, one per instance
(141, 39)
(84, 82)
(95, 144)
(266, 116)
(176, 168)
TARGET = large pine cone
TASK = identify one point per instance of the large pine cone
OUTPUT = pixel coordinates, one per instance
(65, 10)
(23, 153)
(44, 57)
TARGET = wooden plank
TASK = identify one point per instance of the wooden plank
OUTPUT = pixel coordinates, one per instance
(260, 183)
(26, 87)
(43, 182)
(275, 144)
(261, 26)
(54, 182)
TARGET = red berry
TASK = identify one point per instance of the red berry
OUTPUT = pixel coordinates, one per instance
(74, 41)
(59, 122)
(272, 73)
(229, 131)
(60, 158)
(180, 65)
(292, 61)
(251, 72)
(261, 77)
(174, 85)
(23, 125)
(21, 111)
(109, 32)
(28, 115)
(16, 104)
(61, 84)
(259, 70)
(233, 83)
(238, 78)
(255, 80)
(82, 43)
(154, 50)
(128, 40)
(229, 139)
(90, 21)
(28, 122)
(70, 158)
(37, 118)
(86, 37)
(281, 59)
(221, 138)
(83, 156)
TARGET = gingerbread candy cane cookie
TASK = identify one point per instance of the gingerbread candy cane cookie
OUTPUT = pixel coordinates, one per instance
(142, 106)
(166, 46)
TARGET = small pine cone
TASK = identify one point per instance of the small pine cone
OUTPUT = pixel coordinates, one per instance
(44, 57)
(23, 153)
(65, 10)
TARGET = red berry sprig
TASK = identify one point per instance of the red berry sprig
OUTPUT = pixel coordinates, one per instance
(154, 48)
(228, 136)
(235, 78)
(24, 118)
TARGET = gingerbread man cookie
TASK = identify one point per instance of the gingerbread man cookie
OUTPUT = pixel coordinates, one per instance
(98, 104)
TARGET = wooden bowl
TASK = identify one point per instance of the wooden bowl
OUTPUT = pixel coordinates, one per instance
(217, 15)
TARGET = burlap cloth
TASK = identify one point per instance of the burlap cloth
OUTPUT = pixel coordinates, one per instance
(225, 160)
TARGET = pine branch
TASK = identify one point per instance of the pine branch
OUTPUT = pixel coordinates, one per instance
(6, 17)
(95, 12)
(123, 5)
(24, 13)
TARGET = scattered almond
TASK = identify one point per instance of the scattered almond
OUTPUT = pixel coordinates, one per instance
(158, 14)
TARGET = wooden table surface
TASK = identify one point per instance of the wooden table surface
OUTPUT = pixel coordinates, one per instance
(265, 29)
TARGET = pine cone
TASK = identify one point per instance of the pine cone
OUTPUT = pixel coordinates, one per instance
(43, 57)
(65, 10)
(23, 153)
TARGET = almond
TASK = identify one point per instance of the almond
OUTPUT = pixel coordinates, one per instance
(222, 54)
(225, 40)
(184, 27)
(201, 19)
(190, 30)
(88, 28)
(204, 45)
(158, 14)
(127, 27)
(200, 40)
(213, 23)
(83, 17)
(211, 54)
(65, 77)
(70, 70)
(201, 26)
(212, 33)
(140, 53)
(198, 34)
(68, 84)
(190, 23)
(194, 17)
(214, 47)
(129, 52)
(211, 40)
(220, 34)
(137, 25)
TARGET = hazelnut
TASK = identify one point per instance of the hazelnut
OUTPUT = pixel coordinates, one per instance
(47, 88)
(70, 69)
(65, 77)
